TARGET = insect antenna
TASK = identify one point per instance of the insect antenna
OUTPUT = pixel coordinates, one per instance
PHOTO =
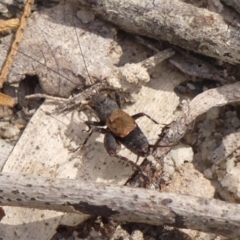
(55, 60)
(84, 62)
(44, 65)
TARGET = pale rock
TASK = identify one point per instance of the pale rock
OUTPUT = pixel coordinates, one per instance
(181, 154)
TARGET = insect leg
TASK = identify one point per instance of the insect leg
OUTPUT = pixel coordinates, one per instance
(138, 115)
(112, 146)
(118, 100)
(93, 123)
(98, 130)
(168, 145)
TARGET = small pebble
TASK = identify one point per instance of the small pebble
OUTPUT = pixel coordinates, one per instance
(208, 173)
(230, 114)
(191, 86)
(235, 122)
(3, 9)
(85, 16)
(213, 113)
(209, 125)
(181, 154)
(182, 89)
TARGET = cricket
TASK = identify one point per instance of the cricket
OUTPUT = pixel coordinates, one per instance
(121, 128)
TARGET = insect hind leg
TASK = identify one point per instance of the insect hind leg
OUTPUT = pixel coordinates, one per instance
(94, 123)
(138, 115)
(112, 146)
(98, 130)
(118, 99)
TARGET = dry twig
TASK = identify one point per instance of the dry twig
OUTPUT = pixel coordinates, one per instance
(217, 97)
(19, 34)
(121, 203)
(9, 24)
(182, 24)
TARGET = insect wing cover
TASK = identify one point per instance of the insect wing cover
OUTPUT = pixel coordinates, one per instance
(121, 123)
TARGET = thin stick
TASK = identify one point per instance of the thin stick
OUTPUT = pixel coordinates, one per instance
(19, 34)
(121, 203)
(9, 24)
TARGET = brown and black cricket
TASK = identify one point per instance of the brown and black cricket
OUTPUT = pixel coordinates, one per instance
(121, 127)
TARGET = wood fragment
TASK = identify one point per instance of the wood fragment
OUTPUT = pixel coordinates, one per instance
(6, 100)
(19, 34)
(182, 24)
(9, 24)
(188, 64)
(196, 67)
(146, 43)
(121, 203)
(153, 61)
(49, 97)
(217, 97)
(229, 145)
(5, 150)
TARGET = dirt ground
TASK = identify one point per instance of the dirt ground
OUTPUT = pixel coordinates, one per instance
(64, 50)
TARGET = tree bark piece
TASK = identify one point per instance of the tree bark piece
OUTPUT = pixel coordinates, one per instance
(6, 100)
(217, 97)
(196, 67)
(182, 24)
(121, 203)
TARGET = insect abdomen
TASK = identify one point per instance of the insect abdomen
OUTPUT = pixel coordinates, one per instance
(136, 142)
